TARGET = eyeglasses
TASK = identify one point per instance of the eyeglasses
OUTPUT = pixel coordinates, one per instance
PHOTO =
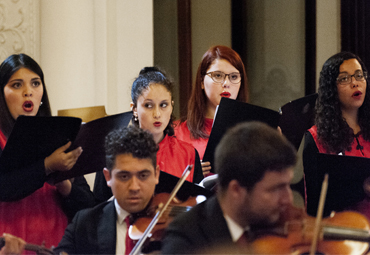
(346, 78)
(219, 77)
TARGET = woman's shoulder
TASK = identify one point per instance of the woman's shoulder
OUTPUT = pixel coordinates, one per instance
(312, 139)
(208, 124)
(311, 134)
(175, 143)
(179, 125)
(208, 121)
(181, 129)
(313, 131)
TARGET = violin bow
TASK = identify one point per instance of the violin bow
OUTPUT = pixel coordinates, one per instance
(162, 208)
(320, 210)
(38, 249)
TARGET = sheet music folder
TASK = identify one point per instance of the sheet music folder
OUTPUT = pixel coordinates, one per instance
(167, 183)
(345, 186)
(295, 118)
(34, 138)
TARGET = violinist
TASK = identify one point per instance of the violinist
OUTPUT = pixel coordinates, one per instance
(255, 164)
(132, 174)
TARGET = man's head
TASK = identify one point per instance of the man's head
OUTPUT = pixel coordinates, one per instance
(131, 167)
(255, 166)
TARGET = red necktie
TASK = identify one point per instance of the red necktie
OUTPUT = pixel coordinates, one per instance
(242, 242)
(129, 242)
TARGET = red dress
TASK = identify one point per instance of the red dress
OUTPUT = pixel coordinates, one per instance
(182, 132)
(37, 218)
(174, 156)
(359, 148)
(363, 152)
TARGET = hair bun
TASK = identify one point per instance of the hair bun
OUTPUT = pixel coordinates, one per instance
(149, 69)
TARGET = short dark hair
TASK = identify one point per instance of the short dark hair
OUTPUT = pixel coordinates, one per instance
(130, 140)
(250, 149)
(11, 65)
(148, 76)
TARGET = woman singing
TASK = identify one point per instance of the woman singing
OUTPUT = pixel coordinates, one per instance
(342, 123)
(221, 73)
(30, 208)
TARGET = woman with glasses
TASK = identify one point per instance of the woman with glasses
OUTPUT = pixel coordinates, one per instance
(342, 122)
(221, 73)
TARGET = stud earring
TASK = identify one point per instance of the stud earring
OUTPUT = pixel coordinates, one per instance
(40, 103)
(135, 118)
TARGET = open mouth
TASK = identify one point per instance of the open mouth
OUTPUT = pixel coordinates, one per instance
(225, 94)
(157, 124)
(357, 94)
(28, 106)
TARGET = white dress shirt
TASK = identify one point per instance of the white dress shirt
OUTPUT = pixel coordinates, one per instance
(235, 229)
(121, 229)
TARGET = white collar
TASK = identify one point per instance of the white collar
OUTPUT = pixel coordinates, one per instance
(235, 229)
(121, 213)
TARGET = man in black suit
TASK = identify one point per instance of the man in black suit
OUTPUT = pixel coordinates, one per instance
(255, 164)
(132, 175)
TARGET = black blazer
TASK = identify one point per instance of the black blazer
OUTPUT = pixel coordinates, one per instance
(92, 231)
(203, 227)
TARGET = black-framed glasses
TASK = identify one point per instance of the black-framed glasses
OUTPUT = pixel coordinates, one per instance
(219, 77)
(346, 78)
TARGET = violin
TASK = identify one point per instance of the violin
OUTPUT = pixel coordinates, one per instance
(341, 233)
(175, 208)
(38, 249)
(160, 212)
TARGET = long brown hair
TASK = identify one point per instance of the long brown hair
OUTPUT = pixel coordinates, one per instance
(198, 99)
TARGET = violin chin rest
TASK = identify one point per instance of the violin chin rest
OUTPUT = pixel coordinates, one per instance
(200, 199)
(134, 233)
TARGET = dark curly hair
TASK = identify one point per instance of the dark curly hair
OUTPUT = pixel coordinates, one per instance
(148, 76)
(11, 65)
(130, 140)
(332, 129)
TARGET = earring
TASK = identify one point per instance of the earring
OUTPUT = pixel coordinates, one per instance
(40, 103)
(135, 118)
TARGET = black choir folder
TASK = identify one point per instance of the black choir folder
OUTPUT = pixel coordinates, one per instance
(294, 119)
(345, 184)
(34, 138)
(167, 183)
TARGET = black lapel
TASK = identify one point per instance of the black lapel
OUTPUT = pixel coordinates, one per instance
(214, 224)
(107, 230)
